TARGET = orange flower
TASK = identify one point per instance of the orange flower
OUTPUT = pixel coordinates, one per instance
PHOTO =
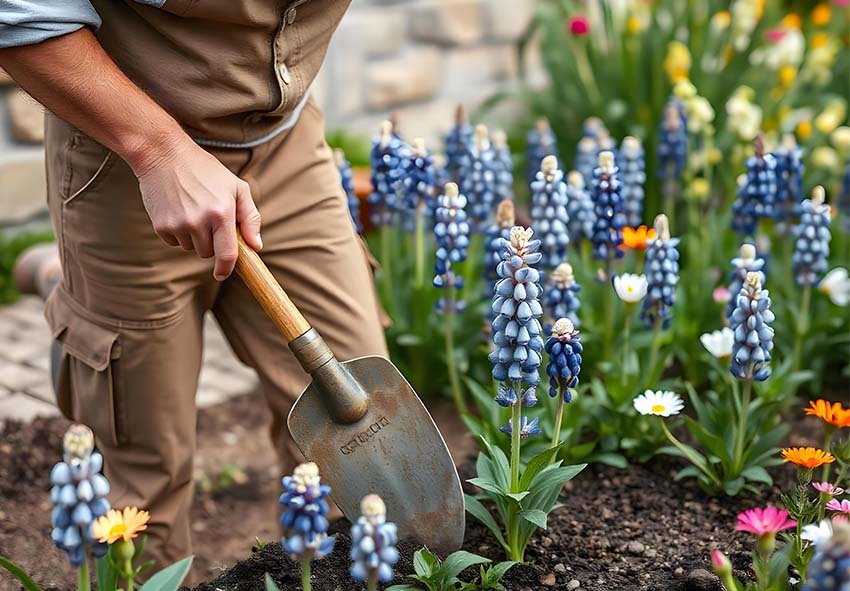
(833, 413)
(792, 21)
(807, 457)
(821, 14)
(636, 237)
(117, 525)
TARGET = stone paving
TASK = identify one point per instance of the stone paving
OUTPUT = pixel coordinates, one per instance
(25, 388)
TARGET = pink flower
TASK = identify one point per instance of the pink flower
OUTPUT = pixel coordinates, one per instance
(764, 521)
(828, 488)
(720, 295)
(775, 35)
(579, 26)
(719, 562)
(841, 3)
(839, 506)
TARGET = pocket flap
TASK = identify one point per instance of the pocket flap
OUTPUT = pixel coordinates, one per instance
(81, 337)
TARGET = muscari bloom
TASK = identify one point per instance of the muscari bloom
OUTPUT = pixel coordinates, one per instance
(549, 211)
(78, 496)
(504, 166)
(745, 263)
(419, 179)
(672, 149)
(811, 239)
(373, 540)
(610, 215)
(581, 213)
(387, 158)
(836, 286)
(516, 328)
(789, 182)
(753, 334)
(719, 342)
(305, 518)
(630, 288)
(764, 522)
(346, 177)
(478, 178)
(451, 230)
(662, 272)
(526, 427)
(587, 157)
(494, 248)
(843, 201)
(633, 176)
(807, 457)
(561, 294)
(540, 143)
(829, 570)
(564, 349)
(660, 403)
(457, 143)
(757, 195)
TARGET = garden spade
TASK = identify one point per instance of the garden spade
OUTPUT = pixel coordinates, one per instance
(365, 427)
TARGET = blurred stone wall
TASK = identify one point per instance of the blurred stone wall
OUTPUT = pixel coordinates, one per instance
(418, 58)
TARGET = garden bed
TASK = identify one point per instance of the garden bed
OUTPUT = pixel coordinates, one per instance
(618, 529)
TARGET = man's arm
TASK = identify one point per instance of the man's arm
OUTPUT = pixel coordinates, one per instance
(191, 198)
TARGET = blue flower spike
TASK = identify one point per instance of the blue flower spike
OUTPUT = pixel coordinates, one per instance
(540, 143)
(632, 164)
(672, 149)
(789, 181)
(561, 294)
(504, 166)
(373, 544)
(346, 177)
(610, 211)
(451, 229)
(829, 569)
(581, 213)
(586, 159)
(564, 349)
(811, 239)
(305, 519)
(387, 158)
(751, 351)
(78, 496)
(494, 237)
(478, 178)
(746, 262)
(549, 212)
(756, 196)
(662, 273)
(457, 145)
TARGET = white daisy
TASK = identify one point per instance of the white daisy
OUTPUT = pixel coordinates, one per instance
(630, 287)
(719, 342)
(836, 286)
(661, 403)
(817, 533)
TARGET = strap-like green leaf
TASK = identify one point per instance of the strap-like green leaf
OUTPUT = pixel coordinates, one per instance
(19, 574)
(535, 516)
(485, 483)
(460, 560)
(270, 584)
(494, 574)
(425, 563)
(480, 512)
(107, 577)
(169, 578)
(536, 465)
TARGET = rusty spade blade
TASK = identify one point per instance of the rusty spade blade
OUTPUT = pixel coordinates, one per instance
(365, 427)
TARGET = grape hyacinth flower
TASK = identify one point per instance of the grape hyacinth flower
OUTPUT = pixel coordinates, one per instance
(564, 348)
(593, 127)
(373, 540)
(610, 214)
(526, 427)
(587, 157)
(504, 166)
(753, 334)
(540, 143)
(549, 211)
(78, 496)
(829, 570)
(662, 271)
(457, 143)
(633, 176)
(346, 177)
(672, 149)
(419, 185)
(746, 262)
(387, 158)
(494, 237)
(581, 214)
(478, 179)
(757, 194)
(811, 240)
(789, 182)
(305, 518)
(843, 201)
(561, 294)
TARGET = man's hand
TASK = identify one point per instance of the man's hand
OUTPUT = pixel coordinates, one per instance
(196, 203)
(191, 198)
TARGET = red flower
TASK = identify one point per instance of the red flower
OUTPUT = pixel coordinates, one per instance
(579, 25)
(775, 35)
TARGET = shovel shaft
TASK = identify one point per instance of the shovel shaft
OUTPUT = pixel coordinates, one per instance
(269, 293)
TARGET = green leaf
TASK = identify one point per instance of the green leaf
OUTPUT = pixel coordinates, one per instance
(460, 560)
(757, 474)
(270, 584)
(536, 465)
(535, 516)
(169, 578)
(425, 563)
(500, 461)
(19, 574)
(107, 577)
(140, 548)
(480, 512)
(403, 587)
(518, 497)
(611, 459)
(491, 576)
(734, 486)
(485, 483)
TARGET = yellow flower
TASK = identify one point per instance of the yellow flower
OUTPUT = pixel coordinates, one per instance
(700, 188)
(804, 130)
(721, 19)
(827, 121)
(115, 525)
(792, 21)
(677, 63)
(807, 457)
(634, 25)
(715, 156)
(819, 40)
(787, 74)
(821, 14)
(759, 5)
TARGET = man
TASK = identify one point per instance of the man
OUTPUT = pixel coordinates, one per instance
(172, 123)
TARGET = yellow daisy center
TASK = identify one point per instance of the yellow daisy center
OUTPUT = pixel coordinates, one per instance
(630, 289)
(658, 407)
(118, 529)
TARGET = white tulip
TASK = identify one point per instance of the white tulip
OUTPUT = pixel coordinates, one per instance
(630, 287)
(719, 342)
(836, 286)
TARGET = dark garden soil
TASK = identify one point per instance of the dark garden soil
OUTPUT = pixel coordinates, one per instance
(633, 529)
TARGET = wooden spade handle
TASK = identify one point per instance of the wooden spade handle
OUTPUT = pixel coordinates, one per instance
(269, 293)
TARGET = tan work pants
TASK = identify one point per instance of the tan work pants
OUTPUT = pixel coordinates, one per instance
(129, 311)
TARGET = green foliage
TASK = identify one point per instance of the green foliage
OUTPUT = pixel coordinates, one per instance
(270, 584)
(169, 578)
(435, 575)
(19, 574)
(110, 568)
(356, 147)
(10, 247)
(525, 509)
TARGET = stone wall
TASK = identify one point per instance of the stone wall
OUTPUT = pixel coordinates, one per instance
(417, 58)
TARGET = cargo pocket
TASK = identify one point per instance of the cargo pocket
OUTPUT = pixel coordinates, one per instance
(374, 265)
(88, 377)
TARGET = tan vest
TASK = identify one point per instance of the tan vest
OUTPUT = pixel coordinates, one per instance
(230, 70)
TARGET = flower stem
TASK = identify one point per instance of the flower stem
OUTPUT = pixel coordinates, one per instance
(688, 454)
(420, 245)
(802, 327)
(513, 525)
(608, 303)
(559, 414)
(386, 268)
(742, 423)
(454, 379)
(627, 330)
(654, 348)
(827, 443)
(305, 574)
(83, 583)
(372, 582)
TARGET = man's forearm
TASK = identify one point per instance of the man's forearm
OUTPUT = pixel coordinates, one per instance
(74, 78)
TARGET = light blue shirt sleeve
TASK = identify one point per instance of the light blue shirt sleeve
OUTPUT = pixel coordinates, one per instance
(24, 22)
